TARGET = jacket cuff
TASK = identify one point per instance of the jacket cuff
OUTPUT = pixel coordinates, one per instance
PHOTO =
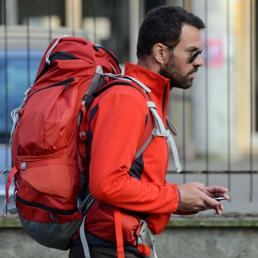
(176, 199)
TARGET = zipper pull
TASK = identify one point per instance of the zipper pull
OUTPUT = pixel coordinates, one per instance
(69, 81)
(52, 216)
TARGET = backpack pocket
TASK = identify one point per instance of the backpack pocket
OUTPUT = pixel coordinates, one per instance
(49, 226)
(55, 177)
(46, 194)
(48, 122)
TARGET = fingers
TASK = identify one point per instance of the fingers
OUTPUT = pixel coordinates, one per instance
(226, 196)
(210, 202)
(219, 209)
(198, 197)
(215, 205)
(218, 190)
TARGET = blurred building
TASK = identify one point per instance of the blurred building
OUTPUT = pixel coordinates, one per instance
(217, 118)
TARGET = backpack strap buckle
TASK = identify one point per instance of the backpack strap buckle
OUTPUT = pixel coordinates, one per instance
(11, 175)
(157, 132)
(146, 241)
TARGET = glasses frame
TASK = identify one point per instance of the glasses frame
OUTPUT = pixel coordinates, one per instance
(194, 55)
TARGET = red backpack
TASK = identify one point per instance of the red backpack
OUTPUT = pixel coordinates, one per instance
(48, 140)
(47, 144)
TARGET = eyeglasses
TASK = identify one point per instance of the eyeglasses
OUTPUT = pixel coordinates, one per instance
(194, 55)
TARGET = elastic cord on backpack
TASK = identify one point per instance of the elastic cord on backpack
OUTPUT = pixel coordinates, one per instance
(15, 113)
(52, 48)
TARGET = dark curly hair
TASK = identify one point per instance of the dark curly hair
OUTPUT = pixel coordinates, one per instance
(163, 25)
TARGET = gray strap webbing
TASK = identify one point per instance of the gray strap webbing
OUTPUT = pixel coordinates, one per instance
(172, 144)
(96, 81)
(128, 78)
(85, 245)
(160, 130)
(146, 237)
(144, 146)
(171, 126)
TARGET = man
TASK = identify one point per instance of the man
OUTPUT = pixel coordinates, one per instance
(135, 188)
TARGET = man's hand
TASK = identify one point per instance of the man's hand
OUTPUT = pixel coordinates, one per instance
(218, 191)
(197, 197)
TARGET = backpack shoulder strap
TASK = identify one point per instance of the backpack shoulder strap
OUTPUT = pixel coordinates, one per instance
(159, 129)
(144, 90)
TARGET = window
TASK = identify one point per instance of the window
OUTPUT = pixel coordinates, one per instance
(107, 23)
(13, 87)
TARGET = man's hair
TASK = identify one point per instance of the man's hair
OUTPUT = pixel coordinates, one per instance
(163, 25)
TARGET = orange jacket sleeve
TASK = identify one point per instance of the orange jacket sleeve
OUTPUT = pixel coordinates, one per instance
(117, 129)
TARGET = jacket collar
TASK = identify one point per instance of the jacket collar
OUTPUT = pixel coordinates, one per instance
(158, 85)
(154, 81)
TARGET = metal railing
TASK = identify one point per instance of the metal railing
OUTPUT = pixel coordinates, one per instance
(199, 151)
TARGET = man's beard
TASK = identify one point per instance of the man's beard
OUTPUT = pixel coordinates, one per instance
(177, 80)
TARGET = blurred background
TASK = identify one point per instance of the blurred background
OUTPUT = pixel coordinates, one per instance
(217, 119)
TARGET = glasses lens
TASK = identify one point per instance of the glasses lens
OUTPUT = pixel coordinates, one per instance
(194, 55)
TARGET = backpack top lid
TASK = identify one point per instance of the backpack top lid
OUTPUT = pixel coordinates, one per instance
(77, 48)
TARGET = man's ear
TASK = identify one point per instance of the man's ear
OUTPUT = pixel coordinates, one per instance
(160, 53)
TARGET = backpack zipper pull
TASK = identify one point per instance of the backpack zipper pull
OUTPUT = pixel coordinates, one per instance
(52, 216)
(69, 81)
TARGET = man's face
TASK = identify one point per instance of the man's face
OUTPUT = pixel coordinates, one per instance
(184, 59)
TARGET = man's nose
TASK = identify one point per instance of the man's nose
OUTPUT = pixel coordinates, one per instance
(198, 61)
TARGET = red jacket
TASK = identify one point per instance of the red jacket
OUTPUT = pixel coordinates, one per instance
(117, 125)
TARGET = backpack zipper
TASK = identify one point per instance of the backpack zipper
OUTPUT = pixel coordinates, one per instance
(53, 211)
(64, 83)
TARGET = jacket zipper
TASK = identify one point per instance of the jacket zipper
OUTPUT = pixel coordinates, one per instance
(164, 119)
(163, 102)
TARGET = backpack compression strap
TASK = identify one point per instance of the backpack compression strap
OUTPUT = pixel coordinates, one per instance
(119, 233)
